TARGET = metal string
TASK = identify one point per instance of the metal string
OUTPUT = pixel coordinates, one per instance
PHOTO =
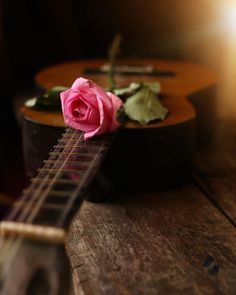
(26, 195)
(43, 195)
(52, 182)
(74, 195)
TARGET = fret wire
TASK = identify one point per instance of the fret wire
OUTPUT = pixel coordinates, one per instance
(57, 193)
(69, 167)
(53, 170)
(92, 143)
(57, 198)
(47, 205)
(49, 180)
(93, 148)
(76, 163)
(14, 212)
(72, 153)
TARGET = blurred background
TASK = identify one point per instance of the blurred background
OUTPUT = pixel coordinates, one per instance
(35, 34)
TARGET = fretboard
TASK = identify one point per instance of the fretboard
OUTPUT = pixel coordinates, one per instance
(58, 188)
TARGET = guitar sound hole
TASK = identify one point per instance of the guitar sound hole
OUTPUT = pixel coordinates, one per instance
(39, 284)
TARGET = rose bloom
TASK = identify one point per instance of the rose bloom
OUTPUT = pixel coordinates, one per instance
(87, 107)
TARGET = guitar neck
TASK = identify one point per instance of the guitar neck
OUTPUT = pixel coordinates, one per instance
(57, 191)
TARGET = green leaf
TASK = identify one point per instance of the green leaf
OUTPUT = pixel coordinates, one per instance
(49, 101)
(153, 86)
(56, 90)
(144, 106)
(31, 102)
(126, 90)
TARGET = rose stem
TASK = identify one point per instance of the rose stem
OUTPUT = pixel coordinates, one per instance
(113, 52)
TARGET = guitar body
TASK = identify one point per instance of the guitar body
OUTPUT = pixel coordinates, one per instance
(143, 158)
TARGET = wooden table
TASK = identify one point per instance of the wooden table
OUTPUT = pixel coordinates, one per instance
(181, 241)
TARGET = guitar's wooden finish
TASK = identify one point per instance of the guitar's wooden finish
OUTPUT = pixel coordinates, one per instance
(157, 155)
(188, 78)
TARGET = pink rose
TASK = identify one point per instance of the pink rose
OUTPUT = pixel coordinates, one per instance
(87, 107)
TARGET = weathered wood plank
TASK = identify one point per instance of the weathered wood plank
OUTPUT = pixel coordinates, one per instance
(216, 171)
(169, 243)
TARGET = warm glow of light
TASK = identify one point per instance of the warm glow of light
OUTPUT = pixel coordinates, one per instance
(230, 17)
(227, 14)
(227, 85)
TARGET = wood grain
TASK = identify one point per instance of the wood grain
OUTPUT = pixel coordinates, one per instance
(216, 171)
(168, 243)
(189, 77)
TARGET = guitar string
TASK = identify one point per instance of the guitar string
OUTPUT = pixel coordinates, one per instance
(14, 212)
(39, 201)
(83, 180)
(80, 184)
(52, 182)
(15, 241)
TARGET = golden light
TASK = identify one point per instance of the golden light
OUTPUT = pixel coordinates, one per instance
(230, 17)
(227, 85)
(225, 11)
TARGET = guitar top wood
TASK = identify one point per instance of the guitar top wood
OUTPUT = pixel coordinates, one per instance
(187, 79)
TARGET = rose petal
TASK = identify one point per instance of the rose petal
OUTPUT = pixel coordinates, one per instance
(97, 91)
(81, 83)
(104, 123)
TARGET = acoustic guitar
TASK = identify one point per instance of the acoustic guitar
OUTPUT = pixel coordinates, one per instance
(32, 259)
(156, 156)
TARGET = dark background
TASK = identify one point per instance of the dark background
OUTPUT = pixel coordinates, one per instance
(34, 34)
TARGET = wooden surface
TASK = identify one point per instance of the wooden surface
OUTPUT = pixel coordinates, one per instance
(181, 241)
(216, 172)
